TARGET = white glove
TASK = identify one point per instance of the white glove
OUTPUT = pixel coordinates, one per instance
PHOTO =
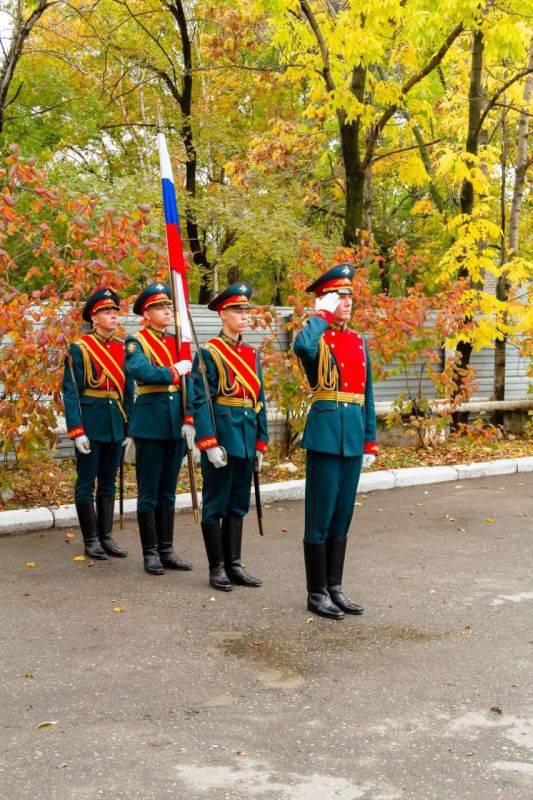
(217, 457)
(188, 433)
(83, 445)
(258, 460)
(183, 367)
(368, 460)
(126, 444)
(327, 302)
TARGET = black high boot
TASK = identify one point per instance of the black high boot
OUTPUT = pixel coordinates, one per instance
(164, 525)
(218, 578)
(318, 599)
(232, 545)
(89, 531)
(105, 511)
(152, 562)
(335, 552)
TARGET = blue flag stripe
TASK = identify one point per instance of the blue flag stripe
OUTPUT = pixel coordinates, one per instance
(169, 202)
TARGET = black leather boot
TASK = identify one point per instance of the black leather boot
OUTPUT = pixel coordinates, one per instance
(318, 599)
(152, 562)
(232, 545)
(335, 552)
(164, 525)
(218, 578)
(89, 531)
(105, 511)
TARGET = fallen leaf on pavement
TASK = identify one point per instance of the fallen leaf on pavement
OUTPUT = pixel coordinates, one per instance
(489, 519)
(79, 558)
(309, 620)
(29, 676)
(31, 564)
(48, 724)
(496, 710)
(118, 609)
(62, 766)
(284, 530)
(240, 752)
(467, 630)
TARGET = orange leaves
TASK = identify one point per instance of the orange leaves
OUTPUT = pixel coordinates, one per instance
(56, 246)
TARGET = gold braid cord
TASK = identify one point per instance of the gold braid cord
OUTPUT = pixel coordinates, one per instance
(95, 383)
(327, 375)
(224, 387)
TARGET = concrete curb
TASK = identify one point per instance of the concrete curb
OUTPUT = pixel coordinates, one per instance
(25, 520)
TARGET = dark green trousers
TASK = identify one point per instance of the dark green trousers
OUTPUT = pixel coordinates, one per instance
(157, 466)
(330, 491)
(99, 466)
(226, 491)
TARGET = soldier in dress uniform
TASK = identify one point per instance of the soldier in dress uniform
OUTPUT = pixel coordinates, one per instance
(158, 426)
(339, 436)
(98, 399)
(231, 434)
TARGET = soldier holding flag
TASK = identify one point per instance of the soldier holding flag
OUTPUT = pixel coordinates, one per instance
(160, 363)
(231, 430)
(98, 399)
(159, 426)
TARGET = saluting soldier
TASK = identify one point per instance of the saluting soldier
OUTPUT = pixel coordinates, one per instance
(158, 426)
(339, 436)
(231, 433)
(98, 399)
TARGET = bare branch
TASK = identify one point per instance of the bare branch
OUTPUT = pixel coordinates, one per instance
(492, 102)
(324, 52)
(434, 62)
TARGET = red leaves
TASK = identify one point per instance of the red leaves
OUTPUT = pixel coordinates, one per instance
(59, 246)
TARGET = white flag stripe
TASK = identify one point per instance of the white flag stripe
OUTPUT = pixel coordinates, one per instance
(164, 158)
(177, 286)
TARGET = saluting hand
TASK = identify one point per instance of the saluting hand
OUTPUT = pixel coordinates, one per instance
(83, 445)
(368, 460)
(217, 457)
(327, 302)
(183, 367)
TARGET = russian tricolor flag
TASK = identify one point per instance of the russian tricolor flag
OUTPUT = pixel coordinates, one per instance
(176, 261)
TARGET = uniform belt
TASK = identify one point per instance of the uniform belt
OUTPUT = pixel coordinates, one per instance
(109, 395)
(339, 397)
(155, 388)
(240, 402)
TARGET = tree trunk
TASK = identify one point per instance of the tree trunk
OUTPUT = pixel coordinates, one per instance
(475, 99)
(502, 289)
(21, 31)
(354, 169)
(184, 97)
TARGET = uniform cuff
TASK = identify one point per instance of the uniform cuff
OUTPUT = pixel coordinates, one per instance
(261, 446)
(77, 431)
(371, 448)
(327, 315)
(188, 419)
(176, 377)
(206, 442)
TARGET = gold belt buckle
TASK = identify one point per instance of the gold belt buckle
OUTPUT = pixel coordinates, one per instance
(172, 388)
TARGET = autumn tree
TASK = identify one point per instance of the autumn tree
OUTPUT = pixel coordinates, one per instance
(56, 247)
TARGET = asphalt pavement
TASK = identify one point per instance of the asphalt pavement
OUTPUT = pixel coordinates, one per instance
(120, 685)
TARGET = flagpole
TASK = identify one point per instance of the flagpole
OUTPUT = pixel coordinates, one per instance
(183, 382)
